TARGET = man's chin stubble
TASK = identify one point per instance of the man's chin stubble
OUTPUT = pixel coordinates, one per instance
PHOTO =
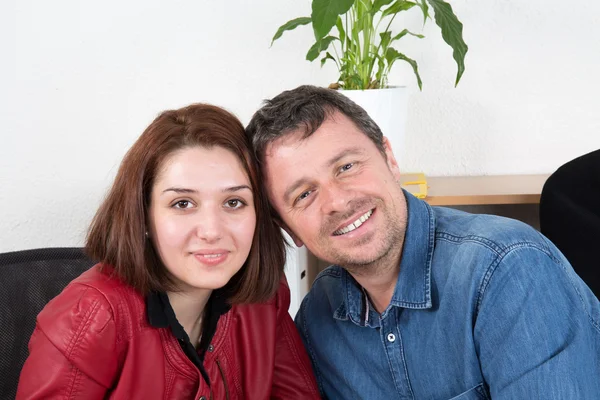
(379, 262)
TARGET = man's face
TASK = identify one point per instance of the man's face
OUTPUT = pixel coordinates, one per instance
(337, 194)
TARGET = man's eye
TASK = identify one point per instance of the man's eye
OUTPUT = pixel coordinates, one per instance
(346, 167)
(303, 195)
(234, 204)
(182, 204)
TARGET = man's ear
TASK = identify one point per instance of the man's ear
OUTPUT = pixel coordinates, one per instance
(287, 230)
(297, 241)
(391, 160)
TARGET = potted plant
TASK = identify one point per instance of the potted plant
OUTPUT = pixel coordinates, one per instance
(361, 48)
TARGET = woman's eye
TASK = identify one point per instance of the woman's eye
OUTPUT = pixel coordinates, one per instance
(234, 203)
(183, 204)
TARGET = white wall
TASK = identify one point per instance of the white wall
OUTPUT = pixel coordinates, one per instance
(79, 81)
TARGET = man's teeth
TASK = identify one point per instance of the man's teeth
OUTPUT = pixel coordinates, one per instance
(354, 224)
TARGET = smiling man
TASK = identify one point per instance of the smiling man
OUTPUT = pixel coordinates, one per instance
(421, 302)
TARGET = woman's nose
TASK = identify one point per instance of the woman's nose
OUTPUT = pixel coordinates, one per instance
(209, 226)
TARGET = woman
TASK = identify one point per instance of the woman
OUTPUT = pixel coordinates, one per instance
(189, 300)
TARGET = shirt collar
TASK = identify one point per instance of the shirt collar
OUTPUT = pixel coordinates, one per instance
(161, 314)
(155, 309)
(413, 287)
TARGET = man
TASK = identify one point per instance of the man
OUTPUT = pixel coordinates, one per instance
(421, 302)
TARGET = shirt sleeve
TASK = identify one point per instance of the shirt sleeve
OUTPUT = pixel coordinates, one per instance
(537, 332)
(72, 352)
(293, 377)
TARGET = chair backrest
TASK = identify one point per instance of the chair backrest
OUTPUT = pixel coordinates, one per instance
(29, 279)
(570, 215)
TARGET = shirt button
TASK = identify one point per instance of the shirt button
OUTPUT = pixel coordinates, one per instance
(391, 337)
(202, 398)
(211, 348)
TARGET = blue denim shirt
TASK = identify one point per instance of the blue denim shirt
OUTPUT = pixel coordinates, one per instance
(484, 307)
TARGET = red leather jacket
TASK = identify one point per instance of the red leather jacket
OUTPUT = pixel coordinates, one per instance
(94, 341)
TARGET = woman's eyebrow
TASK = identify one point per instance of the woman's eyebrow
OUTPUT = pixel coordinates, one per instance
(179, 190)
(237, 188)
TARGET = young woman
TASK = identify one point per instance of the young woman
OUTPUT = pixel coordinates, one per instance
(189, 300)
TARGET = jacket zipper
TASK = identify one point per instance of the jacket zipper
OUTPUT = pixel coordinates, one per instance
(224, 380)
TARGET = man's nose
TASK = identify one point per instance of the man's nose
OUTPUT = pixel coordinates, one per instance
(335, 198)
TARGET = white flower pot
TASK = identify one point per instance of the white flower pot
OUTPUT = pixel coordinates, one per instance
(388, 108)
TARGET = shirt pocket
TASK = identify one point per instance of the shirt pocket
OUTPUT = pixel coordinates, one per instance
(477, 393)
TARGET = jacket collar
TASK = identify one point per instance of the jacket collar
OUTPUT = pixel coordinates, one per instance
(413, 287)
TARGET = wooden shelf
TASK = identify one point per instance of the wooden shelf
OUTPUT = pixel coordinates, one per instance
(484, 190)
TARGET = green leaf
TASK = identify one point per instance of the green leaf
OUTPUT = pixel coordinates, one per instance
(354, 35)
(352, 82)
(392, 55)
(451, 33)
(400, 5)
(363, 22)
(378, 4)
(340, 28)
(288, 26)
(325, 13)
(380, 69)
(328, 56)
(318, 47)
(425, 9)
(404, 33)
(360, 8)
(386, 37)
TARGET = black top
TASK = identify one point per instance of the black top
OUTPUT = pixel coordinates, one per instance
(570, 215)
(161, 315)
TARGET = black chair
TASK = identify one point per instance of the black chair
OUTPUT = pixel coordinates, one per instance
(570, 215)
(29, 279)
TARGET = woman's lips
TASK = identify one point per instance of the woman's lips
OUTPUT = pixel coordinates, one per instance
(212, 257)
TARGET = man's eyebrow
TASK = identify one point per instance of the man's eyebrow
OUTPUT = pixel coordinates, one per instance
(347, 152)
(334, 160)
(293, 187)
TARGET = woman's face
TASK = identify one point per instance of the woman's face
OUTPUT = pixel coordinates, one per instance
(202, 217)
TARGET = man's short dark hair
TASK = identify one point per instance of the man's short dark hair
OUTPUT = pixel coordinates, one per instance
(306, 108)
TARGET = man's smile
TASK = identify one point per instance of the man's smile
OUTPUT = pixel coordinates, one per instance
(355, 224)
